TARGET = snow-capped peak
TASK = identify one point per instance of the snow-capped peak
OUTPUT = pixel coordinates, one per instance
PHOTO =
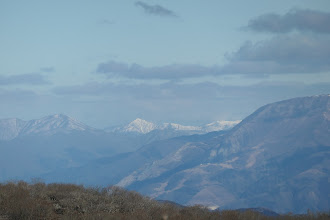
(54, 123)
(138, 125)
(11, 128)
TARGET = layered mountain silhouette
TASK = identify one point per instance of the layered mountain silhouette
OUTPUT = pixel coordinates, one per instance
(277, 158)
(32, 148)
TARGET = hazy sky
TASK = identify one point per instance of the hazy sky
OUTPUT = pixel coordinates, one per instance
(107, 62)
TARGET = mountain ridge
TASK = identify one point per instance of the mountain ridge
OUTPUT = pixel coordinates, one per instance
(277, 158)
(48, 125)
(278, 153)
(142, 126)
(13, 127)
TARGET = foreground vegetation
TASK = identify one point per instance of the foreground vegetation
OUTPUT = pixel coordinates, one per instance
(20, 200)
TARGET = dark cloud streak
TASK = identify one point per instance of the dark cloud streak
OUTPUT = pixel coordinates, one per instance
(155, 9)
(301, 20)
(280, 55)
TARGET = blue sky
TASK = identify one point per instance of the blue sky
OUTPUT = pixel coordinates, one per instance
(188, 61)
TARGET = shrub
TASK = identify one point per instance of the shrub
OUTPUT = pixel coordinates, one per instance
(20, 200)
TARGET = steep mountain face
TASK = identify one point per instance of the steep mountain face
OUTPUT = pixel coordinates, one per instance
(277, 158)
(302, 122)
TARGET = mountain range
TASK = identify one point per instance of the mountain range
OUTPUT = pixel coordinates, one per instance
(32, 148)
(143, 127)
(59, 123)
(277, 158)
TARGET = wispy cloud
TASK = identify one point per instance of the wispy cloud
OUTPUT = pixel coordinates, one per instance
(301, 20)
(27, 79)
(155, 9)
(174, 71)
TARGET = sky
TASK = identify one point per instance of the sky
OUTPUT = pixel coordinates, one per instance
(107, 62)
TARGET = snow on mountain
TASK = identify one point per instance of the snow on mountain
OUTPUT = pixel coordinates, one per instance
(11, 128)
(220, 125)
(52, 124)
(143, 127)
(138, 126)
(178, 127)
(280, 153)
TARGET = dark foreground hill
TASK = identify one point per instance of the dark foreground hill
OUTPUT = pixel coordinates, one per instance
(24, 201)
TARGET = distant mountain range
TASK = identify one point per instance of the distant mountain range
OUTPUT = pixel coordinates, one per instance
(59, 123)
(32, 148)
(143, 127)
(277, 158)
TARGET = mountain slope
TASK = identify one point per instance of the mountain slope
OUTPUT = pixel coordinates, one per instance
(277, 158)
(11, 128)
(49, 125)
(53, 124)
(31, 148)
(137, 126)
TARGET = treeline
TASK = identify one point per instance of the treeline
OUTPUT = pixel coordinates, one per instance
(21, 200)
